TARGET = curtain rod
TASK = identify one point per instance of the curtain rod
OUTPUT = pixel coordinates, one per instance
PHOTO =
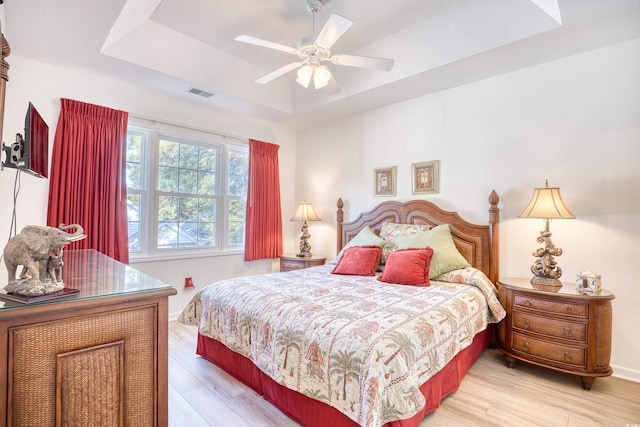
(165, 122)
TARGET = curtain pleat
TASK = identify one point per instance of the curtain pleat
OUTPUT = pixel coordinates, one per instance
(263, 238)
(87, 183)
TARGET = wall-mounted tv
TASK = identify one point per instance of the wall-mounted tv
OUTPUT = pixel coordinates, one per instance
(31, 152)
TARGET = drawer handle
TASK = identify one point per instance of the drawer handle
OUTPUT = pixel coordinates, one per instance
(526, 347)
(568, 357)
(526, 324)
(527, 303)
(569, 309)
(567, 331)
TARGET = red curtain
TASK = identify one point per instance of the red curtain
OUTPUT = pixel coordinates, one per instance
(263, 238)
(87, 183)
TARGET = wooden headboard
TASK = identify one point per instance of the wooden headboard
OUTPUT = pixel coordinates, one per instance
(479, 244)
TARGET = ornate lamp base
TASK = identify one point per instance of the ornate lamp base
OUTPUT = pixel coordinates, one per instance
(546, 270)
(305, 247)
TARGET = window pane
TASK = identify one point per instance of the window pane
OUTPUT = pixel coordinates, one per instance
(207, 160)
(238, 173)
(188, 181)
(168, 208)
(188, 209)
(167, 234)
(206, 234)
(236, 221)
(133, 221)
(206, 183)
(188, 156)
(168, 153)
(134, 158)
(207, 210)
(187, 235)
(167, 179)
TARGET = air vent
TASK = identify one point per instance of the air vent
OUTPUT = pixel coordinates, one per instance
(204, 93)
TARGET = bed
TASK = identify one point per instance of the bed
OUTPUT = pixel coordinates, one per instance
(368, 349)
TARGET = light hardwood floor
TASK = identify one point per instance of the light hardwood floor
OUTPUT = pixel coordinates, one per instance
(201, 395)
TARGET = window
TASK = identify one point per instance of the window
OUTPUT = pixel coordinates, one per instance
(185, 195)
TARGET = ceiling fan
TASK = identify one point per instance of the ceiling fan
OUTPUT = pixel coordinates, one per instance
(313, 51)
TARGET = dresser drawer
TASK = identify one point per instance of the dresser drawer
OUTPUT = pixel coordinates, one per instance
(550, 352)
(551, 306)
(551, 327)
(291, 265)
(293, 262)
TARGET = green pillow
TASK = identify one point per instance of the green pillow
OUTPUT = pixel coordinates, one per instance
(365, 237)
(446, 256)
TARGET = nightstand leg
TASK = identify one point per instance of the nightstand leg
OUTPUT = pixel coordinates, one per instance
(511, 361)
(587, 382)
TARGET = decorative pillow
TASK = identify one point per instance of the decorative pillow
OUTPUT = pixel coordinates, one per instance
(391, 231)
(408, 267)
(446, 256)
(359, 261)
(365, 237)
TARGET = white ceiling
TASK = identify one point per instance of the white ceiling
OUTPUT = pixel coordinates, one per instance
(174, 45)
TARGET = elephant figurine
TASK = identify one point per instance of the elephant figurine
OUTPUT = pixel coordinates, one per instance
(38, 244)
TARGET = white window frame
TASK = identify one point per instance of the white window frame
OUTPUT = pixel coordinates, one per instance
(149, 194)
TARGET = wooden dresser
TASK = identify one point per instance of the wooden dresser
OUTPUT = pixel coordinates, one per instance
(97, 358)
(564, 330)
(290, 262)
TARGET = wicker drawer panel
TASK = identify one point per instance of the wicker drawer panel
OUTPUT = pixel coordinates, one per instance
(86, 376)
(552, 327)
(550, 306)
(551, 352)
(41, 351)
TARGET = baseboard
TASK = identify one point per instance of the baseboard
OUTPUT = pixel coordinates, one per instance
(626, 373)
(174, 316)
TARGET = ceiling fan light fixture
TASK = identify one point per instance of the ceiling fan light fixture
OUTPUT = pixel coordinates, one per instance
(304, 75)
(321, 76)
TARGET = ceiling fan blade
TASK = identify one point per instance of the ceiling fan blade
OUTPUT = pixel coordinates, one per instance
(335, 27)
(279, 72)
(382, 64)
(265, 43)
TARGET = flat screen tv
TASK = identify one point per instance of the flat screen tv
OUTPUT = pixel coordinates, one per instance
(31, 152)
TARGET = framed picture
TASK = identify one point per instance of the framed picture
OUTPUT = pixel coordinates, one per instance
(426, 177)
(384, 181)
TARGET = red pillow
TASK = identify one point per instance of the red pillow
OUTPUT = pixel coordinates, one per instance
(408, 267)
(359, 261)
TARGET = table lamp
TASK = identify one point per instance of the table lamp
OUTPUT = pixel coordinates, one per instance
(305, 213)
(546, 203)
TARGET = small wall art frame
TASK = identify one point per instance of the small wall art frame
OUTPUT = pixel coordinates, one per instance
(426, 177)
(384, 181)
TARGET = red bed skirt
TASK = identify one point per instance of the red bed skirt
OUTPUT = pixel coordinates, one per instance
(309, 412)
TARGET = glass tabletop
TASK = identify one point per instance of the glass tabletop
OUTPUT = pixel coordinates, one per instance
(567, 288)
(93, 275)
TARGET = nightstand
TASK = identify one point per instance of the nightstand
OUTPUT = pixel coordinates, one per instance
(290, 262)
(563, 330)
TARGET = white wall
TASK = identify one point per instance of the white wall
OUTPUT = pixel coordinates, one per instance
(44, 85)
(575, 122)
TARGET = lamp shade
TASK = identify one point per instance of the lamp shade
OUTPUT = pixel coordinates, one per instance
(321, 76)
(547, 203)
(304, 75)
(305, 213)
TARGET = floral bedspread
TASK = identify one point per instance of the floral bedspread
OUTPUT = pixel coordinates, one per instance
(357, 344)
